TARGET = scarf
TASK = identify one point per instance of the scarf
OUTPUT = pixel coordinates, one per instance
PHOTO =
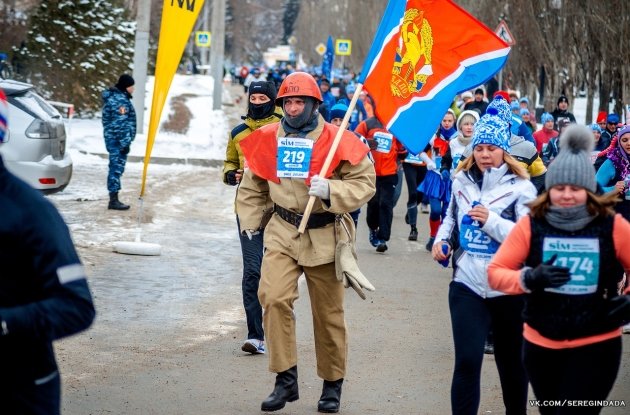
(619, 160)
(447, 134)
(463, 140)
(569, 219)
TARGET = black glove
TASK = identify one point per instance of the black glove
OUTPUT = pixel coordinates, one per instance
(619, 314)
(373, 144)
(231, 177)
(402, 155)
(546, 275)
(124, 151)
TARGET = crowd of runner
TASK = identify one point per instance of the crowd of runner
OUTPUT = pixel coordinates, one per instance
(530, 213)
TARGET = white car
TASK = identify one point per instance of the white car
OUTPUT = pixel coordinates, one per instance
(36, 147)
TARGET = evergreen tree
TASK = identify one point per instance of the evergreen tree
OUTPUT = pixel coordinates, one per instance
(75, 49)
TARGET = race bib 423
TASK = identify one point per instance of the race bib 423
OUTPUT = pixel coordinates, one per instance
(294, 157)
(581, 256)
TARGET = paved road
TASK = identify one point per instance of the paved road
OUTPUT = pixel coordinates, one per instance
(168, 332)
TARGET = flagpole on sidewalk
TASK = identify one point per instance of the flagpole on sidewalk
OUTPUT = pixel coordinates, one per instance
(331, 154)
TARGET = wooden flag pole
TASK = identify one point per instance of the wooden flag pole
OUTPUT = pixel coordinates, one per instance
(331, 154)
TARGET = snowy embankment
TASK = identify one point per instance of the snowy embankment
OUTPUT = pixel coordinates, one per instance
(204, 139)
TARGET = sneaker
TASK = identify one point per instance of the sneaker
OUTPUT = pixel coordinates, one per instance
(382, 246)
(424, 208)
(626, 329)
(429, 246)
(374, 238)
(489, 348)
(413, 235)
(253, 346)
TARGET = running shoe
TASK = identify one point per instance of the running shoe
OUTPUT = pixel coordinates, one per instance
(374, 237)
(413, 235)
(253, 346)
(382, 246)
(424, 208)
(429, 246)
(626, 329)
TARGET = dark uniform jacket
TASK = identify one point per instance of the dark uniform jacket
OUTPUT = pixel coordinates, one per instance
(44, 296)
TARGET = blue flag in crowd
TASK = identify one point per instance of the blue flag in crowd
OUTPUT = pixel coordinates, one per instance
(329, 57)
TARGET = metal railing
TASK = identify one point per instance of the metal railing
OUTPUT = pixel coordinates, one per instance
(70, 108)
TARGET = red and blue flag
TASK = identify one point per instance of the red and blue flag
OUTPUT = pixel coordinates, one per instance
(425, 52)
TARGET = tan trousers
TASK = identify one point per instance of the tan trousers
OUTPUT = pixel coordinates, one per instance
(278, 290)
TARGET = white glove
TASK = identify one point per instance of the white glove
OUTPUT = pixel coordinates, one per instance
(250, 233)
(430, 163)
(319, 188)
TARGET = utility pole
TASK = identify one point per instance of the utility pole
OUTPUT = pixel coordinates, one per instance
(217, 51)
(204, 51)
(140, 60)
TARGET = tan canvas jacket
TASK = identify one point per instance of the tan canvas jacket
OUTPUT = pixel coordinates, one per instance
(350, 188)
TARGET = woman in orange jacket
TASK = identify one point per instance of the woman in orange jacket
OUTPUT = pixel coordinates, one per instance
(572, 245)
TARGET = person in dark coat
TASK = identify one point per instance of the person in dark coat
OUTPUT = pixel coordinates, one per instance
(119, 129)
(561, 113)
(44, 295)
(478, 104)
(612, 121)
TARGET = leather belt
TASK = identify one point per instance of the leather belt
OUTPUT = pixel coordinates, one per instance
(316, 220)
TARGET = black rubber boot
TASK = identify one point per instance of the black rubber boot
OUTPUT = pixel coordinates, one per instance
(331, 397)
(286, 390)
(413, 235)
(115, 204)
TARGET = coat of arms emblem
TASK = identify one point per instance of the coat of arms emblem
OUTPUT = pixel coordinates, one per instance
(413, 56)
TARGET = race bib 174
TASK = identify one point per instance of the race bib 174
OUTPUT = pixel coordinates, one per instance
(581, 256)
(384, 141)
(294, 157)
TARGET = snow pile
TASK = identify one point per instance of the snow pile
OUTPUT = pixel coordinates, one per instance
(206, 137)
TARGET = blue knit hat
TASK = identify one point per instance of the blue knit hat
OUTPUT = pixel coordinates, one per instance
(546, 117)
(338, 111)
(523, 111)
(612, 118)
(525, 100)
(351, 89)
(514, 105)
(595, 127)
(491, 129)
(500, 107)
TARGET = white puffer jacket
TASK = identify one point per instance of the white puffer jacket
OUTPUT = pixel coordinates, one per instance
(505, 196)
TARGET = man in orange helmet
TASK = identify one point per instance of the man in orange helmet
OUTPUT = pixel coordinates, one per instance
(283, 163)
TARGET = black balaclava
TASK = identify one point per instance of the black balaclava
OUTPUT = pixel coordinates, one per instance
(261, 111)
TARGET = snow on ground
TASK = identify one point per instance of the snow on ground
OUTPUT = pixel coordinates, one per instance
(206, 136)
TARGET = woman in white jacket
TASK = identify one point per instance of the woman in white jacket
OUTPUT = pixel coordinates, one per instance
(489, 194)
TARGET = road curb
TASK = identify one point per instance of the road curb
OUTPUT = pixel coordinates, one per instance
(165, 160)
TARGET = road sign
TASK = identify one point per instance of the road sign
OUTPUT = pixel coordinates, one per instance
(321, 49)
(202, 39)
(504, 33)
(343, 47)
(292, 40)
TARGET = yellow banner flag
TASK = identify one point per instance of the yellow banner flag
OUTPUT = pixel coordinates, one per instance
(178, 19)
